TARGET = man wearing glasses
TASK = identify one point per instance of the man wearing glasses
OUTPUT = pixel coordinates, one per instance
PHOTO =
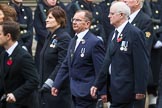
(82, 63)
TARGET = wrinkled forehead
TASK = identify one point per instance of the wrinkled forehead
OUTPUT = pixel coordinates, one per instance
(79, 15)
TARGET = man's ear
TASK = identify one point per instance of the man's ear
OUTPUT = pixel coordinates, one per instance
(8, 36)
(88, 24)
(138, 2)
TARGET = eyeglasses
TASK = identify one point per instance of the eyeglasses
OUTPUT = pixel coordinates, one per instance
(77, 20)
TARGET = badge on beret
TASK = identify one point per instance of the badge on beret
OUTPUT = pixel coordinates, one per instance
(148, 34)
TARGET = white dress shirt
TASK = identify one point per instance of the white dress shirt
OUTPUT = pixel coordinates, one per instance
(80, 37)
(11, 49)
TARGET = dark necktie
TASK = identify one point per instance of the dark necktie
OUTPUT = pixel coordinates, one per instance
(73, 46)
(113, 42)
(115, 36)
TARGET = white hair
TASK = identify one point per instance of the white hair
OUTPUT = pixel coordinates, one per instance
(141, 3)
(121, 7)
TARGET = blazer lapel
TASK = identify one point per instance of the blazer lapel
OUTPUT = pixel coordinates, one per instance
(81, 48)
(81, 45)
(136, 19)
(71, 50)
(124, 32)
(113, 45)
(12, 59)
(113, 48)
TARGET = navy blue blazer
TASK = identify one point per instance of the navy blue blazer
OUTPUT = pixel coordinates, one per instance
(144, 23)
(129, 68)
(83, 68)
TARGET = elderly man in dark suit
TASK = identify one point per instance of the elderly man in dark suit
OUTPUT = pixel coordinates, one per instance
(19, 78)
(82, 63)
(126, 61)
(143, 21)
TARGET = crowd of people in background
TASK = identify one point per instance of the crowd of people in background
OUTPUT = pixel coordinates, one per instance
(88, 53)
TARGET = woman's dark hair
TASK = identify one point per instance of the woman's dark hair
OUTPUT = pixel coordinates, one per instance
(59, 14)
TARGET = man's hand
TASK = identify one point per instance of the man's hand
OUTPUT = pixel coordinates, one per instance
(54, 91)
(140, 96)
(93, 91)
(10, 98)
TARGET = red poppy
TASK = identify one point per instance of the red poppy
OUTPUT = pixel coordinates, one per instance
(119, 39)
(9, 61)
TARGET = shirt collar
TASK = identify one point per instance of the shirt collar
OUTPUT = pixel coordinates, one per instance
(121, 27)
(82, 34)
(133, 15)
(11, 49)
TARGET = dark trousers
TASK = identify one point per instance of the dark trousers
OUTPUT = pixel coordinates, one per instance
(63, 100)
(84, 102)
(11, 105)
(133, 104)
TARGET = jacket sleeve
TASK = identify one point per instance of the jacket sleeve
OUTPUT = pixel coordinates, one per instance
(141, 68)
(30, 75)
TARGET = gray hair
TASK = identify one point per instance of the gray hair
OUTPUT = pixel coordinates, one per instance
(141, 3)
(121, 7)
